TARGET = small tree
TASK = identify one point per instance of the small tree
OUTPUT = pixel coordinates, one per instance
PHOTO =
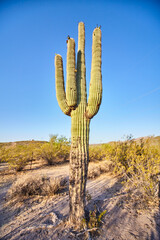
(55, 149)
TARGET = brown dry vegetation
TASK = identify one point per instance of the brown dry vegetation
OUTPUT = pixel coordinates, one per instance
(31, 186)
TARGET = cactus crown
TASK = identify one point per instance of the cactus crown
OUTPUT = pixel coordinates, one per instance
(75, 93)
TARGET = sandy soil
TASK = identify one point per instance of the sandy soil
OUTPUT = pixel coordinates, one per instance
(46, 217)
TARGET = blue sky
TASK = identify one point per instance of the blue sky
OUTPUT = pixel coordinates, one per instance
(32, 32)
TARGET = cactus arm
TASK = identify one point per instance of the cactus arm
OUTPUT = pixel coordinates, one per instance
(95, 91)
(81, 68)
(60, 91)
(71, 88)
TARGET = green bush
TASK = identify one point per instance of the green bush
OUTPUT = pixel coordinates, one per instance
(55, 149)
(3, 154)
(96, 153)
(18, 155)
(139, 162)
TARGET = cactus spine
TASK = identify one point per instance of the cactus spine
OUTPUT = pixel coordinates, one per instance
(73, 102)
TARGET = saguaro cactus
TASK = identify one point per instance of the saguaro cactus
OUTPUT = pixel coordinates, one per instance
(73, 102)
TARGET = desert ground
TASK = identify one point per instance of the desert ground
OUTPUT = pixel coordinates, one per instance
(46, 217)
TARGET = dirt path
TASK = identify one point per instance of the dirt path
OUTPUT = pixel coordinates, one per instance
(34, 219)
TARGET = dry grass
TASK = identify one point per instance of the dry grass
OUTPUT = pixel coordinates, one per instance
(96, 169)
(36, 186)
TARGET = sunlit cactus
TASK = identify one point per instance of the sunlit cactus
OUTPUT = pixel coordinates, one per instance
(73, 102)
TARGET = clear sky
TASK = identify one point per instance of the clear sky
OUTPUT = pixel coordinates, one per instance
(31, 32)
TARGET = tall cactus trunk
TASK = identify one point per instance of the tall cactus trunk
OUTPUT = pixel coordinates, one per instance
(79, 157)
(73, 103)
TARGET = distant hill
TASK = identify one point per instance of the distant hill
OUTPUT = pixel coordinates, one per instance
(34, 142)
(155, 140)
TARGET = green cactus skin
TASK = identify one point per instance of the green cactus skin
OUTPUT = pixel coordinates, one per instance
(74, 104)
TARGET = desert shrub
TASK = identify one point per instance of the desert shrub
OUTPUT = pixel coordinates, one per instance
(3, 154)
(96, 169)
(18, 155)
(139, 162)
(93, 221)
(96, 153)
(36, 186)
(95, 218)
(56, 148)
